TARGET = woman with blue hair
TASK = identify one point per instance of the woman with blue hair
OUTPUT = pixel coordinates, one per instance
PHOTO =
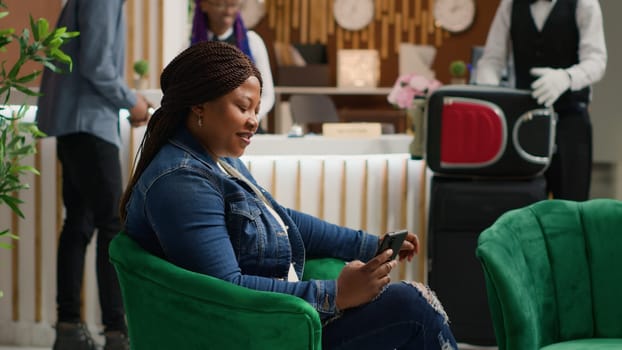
(220, 20)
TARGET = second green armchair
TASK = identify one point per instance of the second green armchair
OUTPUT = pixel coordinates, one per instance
(554, 275)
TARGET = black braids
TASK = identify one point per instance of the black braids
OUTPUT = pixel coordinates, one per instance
(200, 73)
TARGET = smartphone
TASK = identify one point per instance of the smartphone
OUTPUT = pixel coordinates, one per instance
(392, 240)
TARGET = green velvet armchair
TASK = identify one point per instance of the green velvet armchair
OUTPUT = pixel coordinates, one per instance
(169, 307)
(553, 274)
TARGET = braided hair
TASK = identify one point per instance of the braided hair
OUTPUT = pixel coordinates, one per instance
(201, 73)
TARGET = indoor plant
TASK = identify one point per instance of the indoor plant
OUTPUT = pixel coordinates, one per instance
(17, 138)
(141, 68)
(458, 71)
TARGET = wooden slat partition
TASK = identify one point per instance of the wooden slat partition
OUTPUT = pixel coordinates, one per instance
(393, 22)
(145, 38)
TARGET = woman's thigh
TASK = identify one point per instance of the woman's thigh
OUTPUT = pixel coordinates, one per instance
(401, 317)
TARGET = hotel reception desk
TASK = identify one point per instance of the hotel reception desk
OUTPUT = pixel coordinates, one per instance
(369, 184)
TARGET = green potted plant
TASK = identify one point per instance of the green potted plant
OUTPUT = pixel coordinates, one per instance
(141, 68)
(18, 138)
(458, 71)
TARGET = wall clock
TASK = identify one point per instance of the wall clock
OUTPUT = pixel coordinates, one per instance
(454, 15)
(252, 11)
(353, 14)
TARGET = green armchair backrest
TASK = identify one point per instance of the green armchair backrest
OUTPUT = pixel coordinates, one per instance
(553, 274)
(169, 307)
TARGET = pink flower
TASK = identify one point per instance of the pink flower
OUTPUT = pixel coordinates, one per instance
(409, 86)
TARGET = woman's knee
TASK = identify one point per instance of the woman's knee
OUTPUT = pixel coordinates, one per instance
(414, 300)
(431, 298)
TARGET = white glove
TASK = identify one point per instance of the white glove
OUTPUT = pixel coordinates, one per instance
(550, 84)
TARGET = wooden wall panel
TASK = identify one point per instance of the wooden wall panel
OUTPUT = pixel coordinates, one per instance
(394, 21)
(306, 21)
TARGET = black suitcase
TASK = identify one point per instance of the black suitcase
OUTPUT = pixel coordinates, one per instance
(460, 208)
(484, 131)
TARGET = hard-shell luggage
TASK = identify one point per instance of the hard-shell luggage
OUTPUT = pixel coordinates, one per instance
(484, 131)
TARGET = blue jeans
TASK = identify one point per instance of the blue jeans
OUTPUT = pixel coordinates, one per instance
(399, 318)
(92, 188)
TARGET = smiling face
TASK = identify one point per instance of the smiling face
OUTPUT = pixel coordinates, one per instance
(220, 13)
(229, 122)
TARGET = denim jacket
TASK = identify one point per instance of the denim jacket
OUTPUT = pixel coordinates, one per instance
(185, 209)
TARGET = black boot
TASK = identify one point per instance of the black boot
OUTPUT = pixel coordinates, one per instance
(73, 336)
(116, 340)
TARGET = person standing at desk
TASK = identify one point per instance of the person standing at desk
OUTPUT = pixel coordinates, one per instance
(81, 109)
(559, 51)
(220, 20)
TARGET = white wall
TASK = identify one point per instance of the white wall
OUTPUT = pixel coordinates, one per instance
(176, 29)
(605, 108)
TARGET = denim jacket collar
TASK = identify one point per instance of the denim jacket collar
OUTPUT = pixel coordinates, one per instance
(183, 139)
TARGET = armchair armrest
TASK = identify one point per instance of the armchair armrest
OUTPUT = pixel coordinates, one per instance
(509, 286)
(322, 269)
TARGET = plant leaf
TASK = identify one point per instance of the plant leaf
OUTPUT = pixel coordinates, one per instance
(61, 56)
(28, 78)
(13, 203)
(4, 246)
(43, 29)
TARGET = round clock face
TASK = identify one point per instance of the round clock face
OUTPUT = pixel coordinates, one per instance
(252, 11)
(454, 15)
(353, 14)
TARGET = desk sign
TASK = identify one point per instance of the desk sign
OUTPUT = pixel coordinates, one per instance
(352, 130)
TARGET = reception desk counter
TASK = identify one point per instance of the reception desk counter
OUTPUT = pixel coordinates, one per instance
(314, 145)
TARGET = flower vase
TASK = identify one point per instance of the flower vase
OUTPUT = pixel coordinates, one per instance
(416, 113)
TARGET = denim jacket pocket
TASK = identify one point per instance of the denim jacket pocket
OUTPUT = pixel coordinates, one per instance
(246, 230)
(243, 207)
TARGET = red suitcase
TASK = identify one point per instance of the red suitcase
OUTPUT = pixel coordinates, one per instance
(485, 131)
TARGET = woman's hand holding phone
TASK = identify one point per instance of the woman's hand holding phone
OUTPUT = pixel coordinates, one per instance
(410, 247)
(358, 283)
(403, 243)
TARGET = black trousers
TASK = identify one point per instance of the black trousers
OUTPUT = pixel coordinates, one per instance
(92, 187)
(569, 175)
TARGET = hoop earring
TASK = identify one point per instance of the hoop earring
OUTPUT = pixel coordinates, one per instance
(200, 122)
